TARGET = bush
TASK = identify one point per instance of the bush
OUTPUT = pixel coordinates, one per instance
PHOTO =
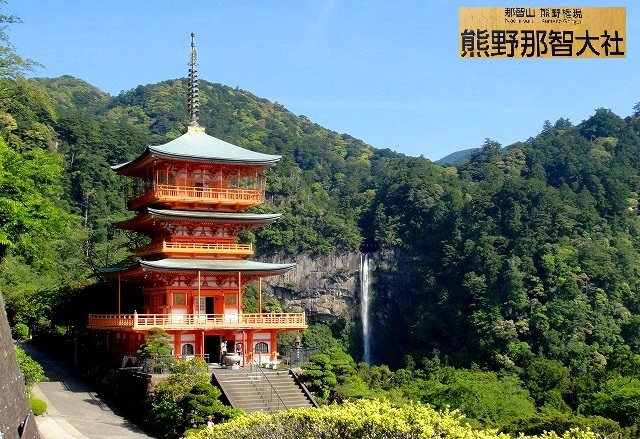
(372, 419)
(31, 370)
(184, 400)
(20, 331)
(38, 406)
(562, 422)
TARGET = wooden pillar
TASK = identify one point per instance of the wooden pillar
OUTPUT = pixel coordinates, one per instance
(260, 296)
(239, 293)
(274, 341)
(199, 302)
(119, 294)
(176, 344)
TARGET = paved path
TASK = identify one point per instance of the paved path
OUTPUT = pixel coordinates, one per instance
(74, 409)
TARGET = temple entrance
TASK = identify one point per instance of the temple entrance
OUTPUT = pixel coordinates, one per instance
(209, 305)
(212, 347)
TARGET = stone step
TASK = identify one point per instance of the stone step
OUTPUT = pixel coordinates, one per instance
(254, 390)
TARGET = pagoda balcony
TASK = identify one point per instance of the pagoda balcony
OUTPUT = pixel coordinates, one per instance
(168, 322)
(176, 248)
(234, 198)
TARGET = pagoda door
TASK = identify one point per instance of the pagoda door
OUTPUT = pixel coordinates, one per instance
(210, 305)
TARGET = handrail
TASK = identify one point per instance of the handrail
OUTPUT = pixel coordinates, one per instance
(272, 389)
(166, 192)
(170, 190)
(177, 246)
(142, 321)
(234, 246)
(298, 381)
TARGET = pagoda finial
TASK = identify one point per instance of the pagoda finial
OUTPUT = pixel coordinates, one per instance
(192, 98)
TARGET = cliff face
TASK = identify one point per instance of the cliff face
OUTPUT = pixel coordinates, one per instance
(327, 288)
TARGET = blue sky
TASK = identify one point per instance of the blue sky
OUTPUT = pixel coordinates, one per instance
(386, 72)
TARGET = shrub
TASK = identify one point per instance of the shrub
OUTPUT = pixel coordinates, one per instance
(38, 406)
(20, 331)
(31, 370)
(370, 419)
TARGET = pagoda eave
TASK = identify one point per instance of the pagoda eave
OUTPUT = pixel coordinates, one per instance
(248, 269)
(149, 216)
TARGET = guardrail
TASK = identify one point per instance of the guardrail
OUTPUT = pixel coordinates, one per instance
(198, 321)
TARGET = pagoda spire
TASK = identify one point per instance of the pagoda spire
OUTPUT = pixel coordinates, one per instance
(192, 93)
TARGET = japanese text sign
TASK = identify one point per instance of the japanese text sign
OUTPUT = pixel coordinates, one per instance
(543, 32)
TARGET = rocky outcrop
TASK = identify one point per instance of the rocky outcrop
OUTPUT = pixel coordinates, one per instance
(325, 286)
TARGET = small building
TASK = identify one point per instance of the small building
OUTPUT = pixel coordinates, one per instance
(189, 196)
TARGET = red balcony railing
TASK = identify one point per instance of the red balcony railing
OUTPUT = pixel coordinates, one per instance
(229, 249)
(164, 193)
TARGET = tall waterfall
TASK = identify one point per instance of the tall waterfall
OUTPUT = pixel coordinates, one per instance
(364, 306)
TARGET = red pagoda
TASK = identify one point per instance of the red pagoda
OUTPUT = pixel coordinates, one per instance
(189, 195)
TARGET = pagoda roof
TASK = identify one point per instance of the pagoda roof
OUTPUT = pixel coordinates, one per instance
(196, 145)
(200, 217)
(203, 265)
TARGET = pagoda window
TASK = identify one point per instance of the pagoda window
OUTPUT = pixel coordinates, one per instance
(199, 305)
(231, 299)
(180, 299)
(187, 349)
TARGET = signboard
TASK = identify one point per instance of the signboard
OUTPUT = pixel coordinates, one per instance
(543, 32)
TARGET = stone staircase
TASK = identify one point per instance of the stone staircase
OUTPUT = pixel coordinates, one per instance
(257, 389)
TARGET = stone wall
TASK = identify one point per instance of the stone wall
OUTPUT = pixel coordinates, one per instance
(16, 419)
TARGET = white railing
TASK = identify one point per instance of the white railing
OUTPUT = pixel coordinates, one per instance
(198, 321)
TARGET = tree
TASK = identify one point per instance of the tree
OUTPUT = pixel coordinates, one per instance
(157, 344)
(30, 217)
(12, 65)
(618, 399)
(184, 400)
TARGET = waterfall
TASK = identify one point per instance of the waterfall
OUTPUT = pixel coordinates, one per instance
(364, 306)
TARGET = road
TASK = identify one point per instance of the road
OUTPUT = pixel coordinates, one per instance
(74, 408)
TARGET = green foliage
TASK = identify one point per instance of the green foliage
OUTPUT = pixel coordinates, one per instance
(31, 217)
(38, 406)
(564, 422)
(12, 65)
(157, 344)
(319, 376)
(184, 400)
(618, 399)
(20, 331)
(360, 419)
(32, 372)
(483, 396)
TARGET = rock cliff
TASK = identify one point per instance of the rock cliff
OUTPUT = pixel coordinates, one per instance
(327, 287)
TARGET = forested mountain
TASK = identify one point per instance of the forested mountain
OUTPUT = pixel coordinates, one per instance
(524, 259)
(456, 158)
